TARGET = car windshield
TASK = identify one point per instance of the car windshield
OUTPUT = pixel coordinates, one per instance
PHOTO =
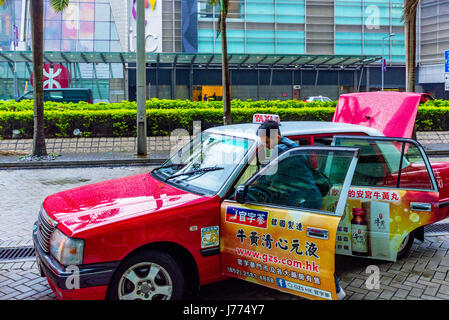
(205, 164)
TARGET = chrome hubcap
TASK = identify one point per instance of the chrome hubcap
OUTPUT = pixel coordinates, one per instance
(145, 281)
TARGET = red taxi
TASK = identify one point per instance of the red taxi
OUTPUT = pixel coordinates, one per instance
(212, 211)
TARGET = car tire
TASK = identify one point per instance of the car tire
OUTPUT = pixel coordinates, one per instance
(147, 275)
(407, 243)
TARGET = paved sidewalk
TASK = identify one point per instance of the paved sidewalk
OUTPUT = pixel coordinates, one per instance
(86, 159)
(121, 151)
(422, 275)
(23, 191)
(92, 145)
(439, 140)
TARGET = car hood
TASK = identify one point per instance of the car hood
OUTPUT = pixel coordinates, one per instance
(98, 204)
(392, 113)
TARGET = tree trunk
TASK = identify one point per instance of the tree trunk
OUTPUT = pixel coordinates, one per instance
(227, 119)
(37, 34)
(410, 52)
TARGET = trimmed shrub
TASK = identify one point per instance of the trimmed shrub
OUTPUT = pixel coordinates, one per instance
(26, 105)
(164, 116)
(109, 123)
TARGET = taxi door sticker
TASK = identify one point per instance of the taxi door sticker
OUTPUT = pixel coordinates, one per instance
(376, 221)
(210, 237)
(271, 247)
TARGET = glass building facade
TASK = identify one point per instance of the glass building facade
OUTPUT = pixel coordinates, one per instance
(433, 41)
(85, 26)
(328, 27)
(306, 27)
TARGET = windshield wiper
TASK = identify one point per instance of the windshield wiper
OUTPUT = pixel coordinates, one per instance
(190, 173)
(169, 166)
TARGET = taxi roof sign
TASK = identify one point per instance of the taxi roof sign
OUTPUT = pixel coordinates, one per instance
(261, 118)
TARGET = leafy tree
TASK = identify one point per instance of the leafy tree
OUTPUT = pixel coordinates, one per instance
(37, 36)
(409, 17)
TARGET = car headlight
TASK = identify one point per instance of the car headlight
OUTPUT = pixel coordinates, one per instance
(68, 251)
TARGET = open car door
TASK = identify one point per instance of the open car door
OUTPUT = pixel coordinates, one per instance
(394, 191)
(279, 230)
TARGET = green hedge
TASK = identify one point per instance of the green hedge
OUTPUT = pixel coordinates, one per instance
(26, 105)
(108, 123)
(122, 122)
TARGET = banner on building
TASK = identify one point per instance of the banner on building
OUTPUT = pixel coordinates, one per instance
(189, 26)
(153, 26)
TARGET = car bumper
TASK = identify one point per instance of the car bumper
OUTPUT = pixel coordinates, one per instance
(85, 282)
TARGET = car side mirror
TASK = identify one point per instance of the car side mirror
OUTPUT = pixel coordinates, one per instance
(240, 193)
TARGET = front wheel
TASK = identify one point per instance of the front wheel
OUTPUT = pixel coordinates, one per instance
(405, 246)
(148, 275)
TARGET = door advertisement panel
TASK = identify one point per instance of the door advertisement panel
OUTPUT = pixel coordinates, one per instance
(288, 250)
(393, 193)
(377, 220)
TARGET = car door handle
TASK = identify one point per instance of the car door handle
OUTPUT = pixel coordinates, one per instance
(420, 206)
(318, 233)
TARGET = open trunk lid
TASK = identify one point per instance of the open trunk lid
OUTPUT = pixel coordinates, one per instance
(392, 113)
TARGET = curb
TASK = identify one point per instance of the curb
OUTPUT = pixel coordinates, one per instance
(118, 162)
(79, 163)
(437, 152)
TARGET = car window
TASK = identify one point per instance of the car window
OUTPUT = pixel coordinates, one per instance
(299, 179)
(322, 141)
(415, 175)
(76, 94)
(379, 164)
(301, 141)
(55, 95)
(371, 169)
(248, 173)
(205, 164)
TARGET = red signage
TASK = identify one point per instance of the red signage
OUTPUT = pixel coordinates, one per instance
(56, 76)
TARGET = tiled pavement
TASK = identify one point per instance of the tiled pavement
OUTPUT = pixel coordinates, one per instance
(433, 137)
(89, 145)
(23, 191)
(128, 144)
(423, 275)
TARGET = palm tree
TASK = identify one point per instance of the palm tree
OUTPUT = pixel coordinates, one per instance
(409, 17)
(221, 28)
(37, 36)
(37, 40)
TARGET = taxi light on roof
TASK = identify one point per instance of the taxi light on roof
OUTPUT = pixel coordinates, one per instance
(261, 118)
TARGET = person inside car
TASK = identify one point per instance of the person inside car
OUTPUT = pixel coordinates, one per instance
(304, 195)
(304, 191)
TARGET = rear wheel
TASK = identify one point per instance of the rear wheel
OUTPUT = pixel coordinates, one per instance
(405, 246)
(148, 275)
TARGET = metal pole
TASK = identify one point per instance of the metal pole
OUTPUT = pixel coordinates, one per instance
(368, 82)
(14, 43)
(383, 59)
(382, 64)
(141, 80)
